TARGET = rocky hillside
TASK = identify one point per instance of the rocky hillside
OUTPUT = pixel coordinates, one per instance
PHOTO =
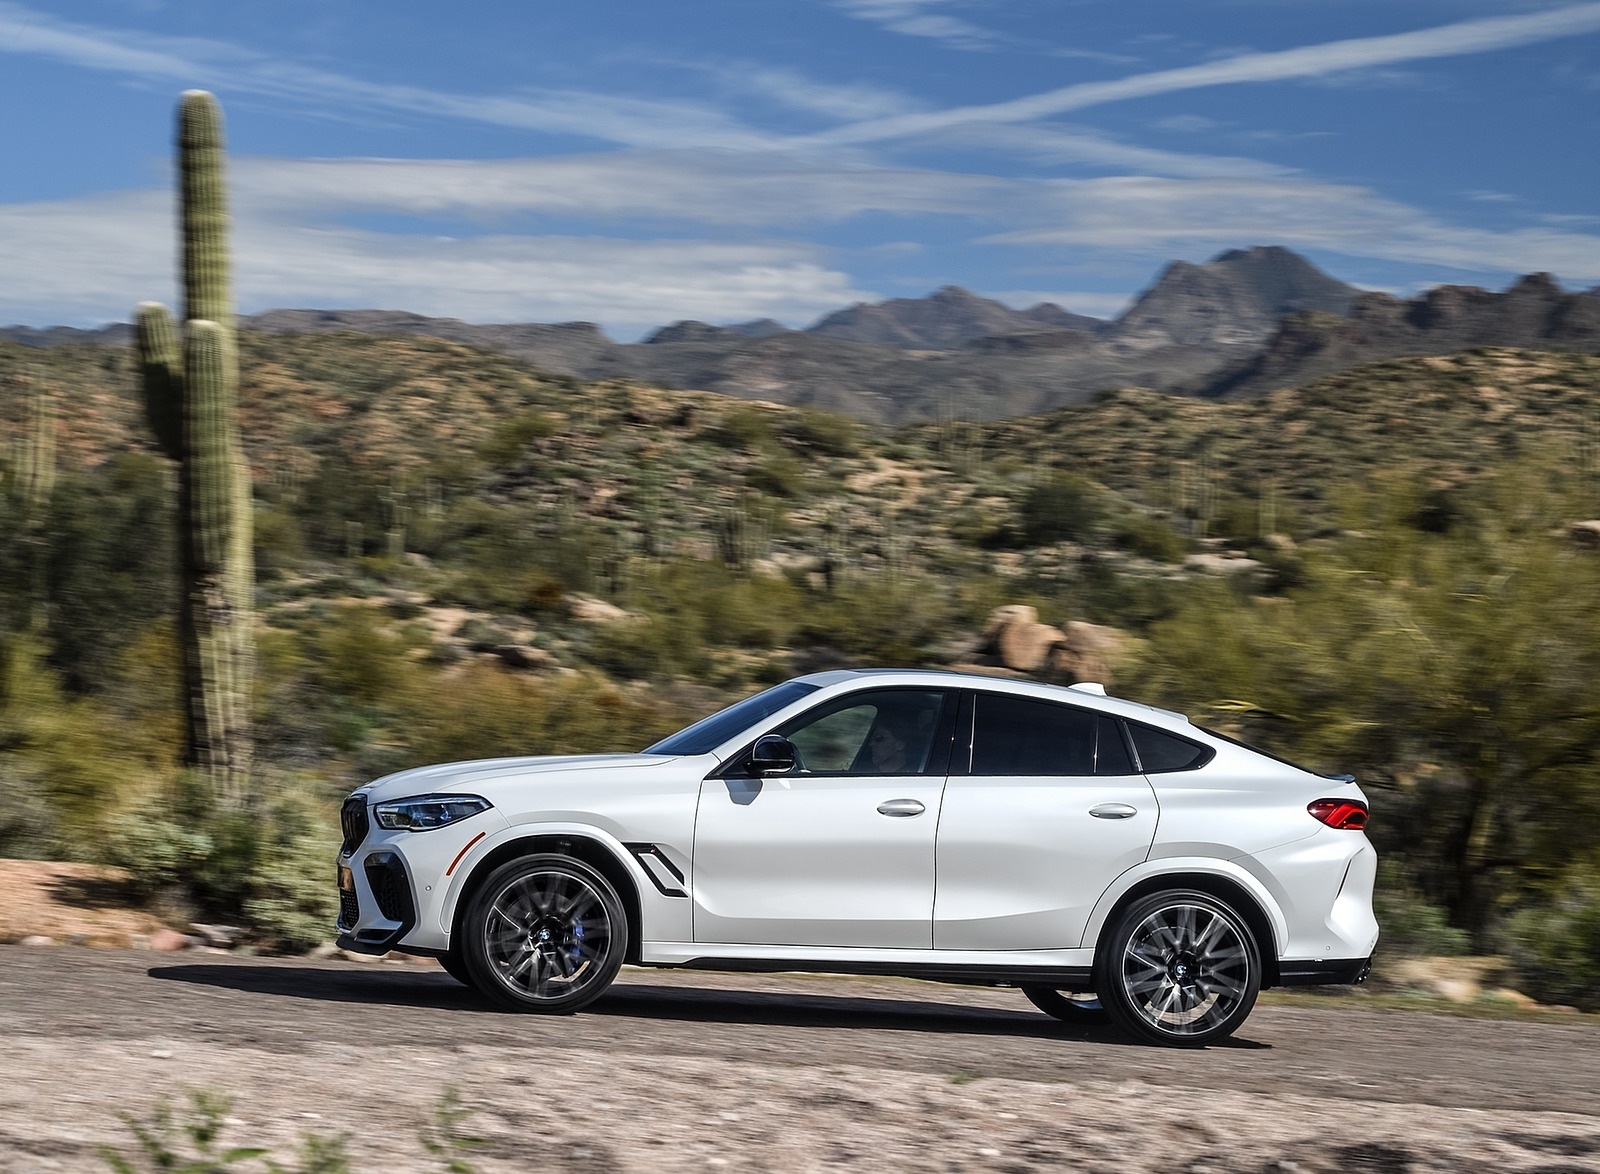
(1535, 313)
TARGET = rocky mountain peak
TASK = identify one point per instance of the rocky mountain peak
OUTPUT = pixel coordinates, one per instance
(1235, 299)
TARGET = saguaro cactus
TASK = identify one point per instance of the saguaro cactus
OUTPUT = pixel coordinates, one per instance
(190, 390)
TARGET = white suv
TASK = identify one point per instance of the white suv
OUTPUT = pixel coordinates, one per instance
(1103, 856)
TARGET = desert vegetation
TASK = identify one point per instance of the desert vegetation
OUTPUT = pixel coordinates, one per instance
(457, 555)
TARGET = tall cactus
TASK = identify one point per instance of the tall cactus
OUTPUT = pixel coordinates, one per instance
(190, 390)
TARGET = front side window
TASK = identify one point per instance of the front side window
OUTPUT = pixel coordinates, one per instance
(1025, 736)
(879, 732)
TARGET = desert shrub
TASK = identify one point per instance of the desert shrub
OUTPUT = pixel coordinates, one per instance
(814, 430)
(279, 546)
(1151, 537)
(1066, 508)
(488, 712)
(511, 438)
(108, 565)
(1556, 946)
(263, 865)
(1410, 926)
(744, 429)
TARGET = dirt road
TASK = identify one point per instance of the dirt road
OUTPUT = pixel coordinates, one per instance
(678, 1071)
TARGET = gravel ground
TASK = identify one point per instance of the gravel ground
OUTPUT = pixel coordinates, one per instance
(677, 1071)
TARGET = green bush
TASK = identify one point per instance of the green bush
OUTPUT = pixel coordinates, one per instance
(1151, 537)
(1066, 508)
(1410, 927)
(263, 866)
(1556, 948)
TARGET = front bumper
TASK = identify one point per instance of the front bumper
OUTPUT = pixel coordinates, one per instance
(396, 887)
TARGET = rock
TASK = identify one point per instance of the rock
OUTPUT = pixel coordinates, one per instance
(322, 950)
(1220, 564)
(595, 611)
(522, 656)
(37, 939)
(354, 956)
(221, 937)
(168, 940)
(1585, 534)
(1015, 635)
(1087, 652)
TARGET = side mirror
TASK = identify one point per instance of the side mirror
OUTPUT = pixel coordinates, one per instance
(772, 755)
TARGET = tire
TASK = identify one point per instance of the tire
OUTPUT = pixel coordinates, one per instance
(1179, 968)
(455, 967)
(545, 933)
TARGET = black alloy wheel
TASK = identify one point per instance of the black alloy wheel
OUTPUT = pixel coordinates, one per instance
(1179, 968)
(544, 933)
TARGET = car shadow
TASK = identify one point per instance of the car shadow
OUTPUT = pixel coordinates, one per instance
(420, 990)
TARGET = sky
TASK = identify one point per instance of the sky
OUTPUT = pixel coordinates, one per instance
(637, 162)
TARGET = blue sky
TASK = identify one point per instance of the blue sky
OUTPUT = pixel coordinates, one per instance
(634, 162)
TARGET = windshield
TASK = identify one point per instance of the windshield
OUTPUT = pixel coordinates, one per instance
(710, 732)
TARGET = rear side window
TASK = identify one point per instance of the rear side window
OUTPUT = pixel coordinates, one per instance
(1160, 751)
(1022, 736)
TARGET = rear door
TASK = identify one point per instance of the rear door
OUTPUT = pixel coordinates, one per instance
(1042, 810)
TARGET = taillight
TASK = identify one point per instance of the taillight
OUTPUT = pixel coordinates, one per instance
(1345, 814)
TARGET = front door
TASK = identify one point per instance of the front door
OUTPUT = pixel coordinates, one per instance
(839, 851)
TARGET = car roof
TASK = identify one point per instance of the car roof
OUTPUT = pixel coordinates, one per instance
(1084, 692)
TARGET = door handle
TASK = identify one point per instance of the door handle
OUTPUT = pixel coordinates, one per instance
(1113, 811)
(901, 807)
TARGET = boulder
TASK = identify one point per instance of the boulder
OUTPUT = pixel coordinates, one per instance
(1087, 652)
(1585, 534)
(1015, 636)
(523, 656)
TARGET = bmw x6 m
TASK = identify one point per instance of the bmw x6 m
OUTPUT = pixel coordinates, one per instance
(1105, 857)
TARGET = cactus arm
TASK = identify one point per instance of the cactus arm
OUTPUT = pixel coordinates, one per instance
(161, 376)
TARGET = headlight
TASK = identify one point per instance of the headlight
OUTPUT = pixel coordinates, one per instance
(427, 811)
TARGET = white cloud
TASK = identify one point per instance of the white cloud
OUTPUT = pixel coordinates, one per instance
(93, 260)
(1311, 61)
(793, 89)
(1057, 144)
(1188, 124)
(913, 19)
(705, 187)
(610, 117)
(1162, 216)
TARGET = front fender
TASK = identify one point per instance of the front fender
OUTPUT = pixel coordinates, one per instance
(666, 917)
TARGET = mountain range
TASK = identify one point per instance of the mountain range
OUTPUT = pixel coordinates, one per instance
(1246, 323)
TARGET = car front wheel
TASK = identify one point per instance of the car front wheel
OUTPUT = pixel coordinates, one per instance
(544, 933)
(1179, 968)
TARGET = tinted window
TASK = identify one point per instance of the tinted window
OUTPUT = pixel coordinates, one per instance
(710, 732)
(879, 732)
(1161, 751)
(1020, 736)
(1111, 749)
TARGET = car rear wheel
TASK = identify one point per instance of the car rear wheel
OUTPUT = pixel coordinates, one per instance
(1179, 968)
(1067, 1006)
(544, 933)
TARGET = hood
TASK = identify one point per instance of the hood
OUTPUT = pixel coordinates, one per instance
(469, 776)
